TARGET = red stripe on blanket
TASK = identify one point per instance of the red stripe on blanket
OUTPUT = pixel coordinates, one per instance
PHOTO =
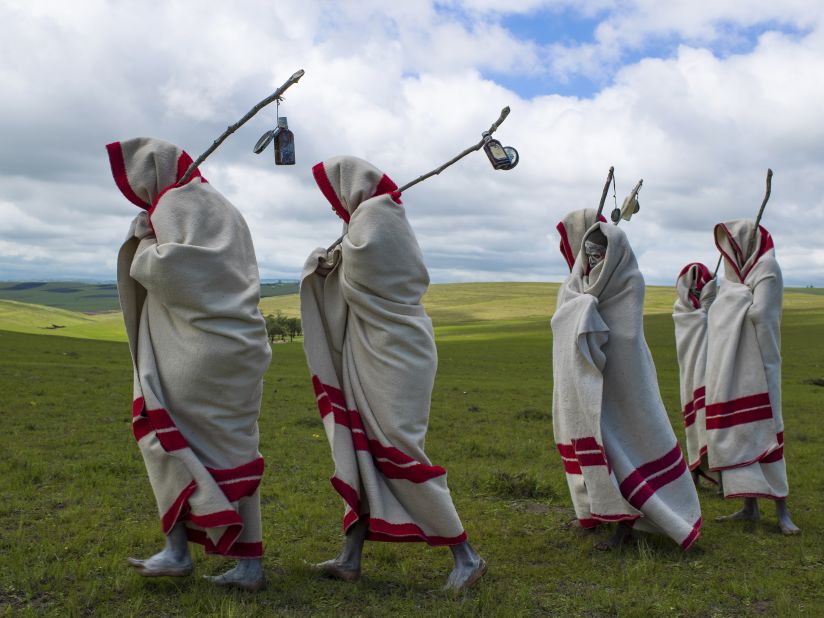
(253, 468)
(731, 419)
(641, 484)
(765, 245)
(178, 508)
(589, 523)
(349, 518)
(237, 550)
(566, 249)
(235, 490)
(575, 455)
(737, 405)
(754, 495)
(322, 180)
(387, 185)
(381, 530)
(347, 492)
(392, 462)
(691, 409)
(692, 537)
(777, 454)
(218, 519)
(118, 165)
(141, 426)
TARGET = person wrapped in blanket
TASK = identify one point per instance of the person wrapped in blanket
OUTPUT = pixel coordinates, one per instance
(621, 458)
(744, 423)
(371, 350)
(188, 284)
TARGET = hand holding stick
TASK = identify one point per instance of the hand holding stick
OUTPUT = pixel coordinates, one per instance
(438, 170)
(232, 128)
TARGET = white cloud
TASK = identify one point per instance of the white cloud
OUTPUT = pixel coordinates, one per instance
(405, 87)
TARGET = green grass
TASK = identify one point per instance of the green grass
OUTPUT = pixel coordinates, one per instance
(76, 501)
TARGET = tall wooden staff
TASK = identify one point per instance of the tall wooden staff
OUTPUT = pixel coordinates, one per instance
(751, 244)
(455, 159)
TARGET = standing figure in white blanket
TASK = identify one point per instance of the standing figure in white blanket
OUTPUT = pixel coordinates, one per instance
(371, 350)
(745, 429)
(695, 289)
(189, 289)
(622, 460)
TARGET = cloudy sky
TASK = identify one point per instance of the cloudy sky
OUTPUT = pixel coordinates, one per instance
(698, 99)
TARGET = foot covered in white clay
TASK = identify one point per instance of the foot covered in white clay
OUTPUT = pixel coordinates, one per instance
(750, 512)
(163, 564)
(785, 523)
(464, 575)
(622, 535)
(247, 575)
(338, 569)
(469, 568)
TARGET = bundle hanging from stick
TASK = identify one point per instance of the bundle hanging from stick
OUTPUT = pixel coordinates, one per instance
(629, 207)
(453, 160)
(751, 244)
(276, 95)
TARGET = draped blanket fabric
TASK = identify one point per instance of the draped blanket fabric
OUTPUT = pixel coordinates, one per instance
(189, 290)
(371, 350)
(695, 289)
(620, 454)
(745, 430)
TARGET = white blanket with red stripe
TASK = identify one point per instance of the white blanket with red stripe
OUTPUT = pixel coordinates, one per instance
(371, 350)
(619, 451)
(745, 430)
(695, 289)
(189, 290)
(571, 230)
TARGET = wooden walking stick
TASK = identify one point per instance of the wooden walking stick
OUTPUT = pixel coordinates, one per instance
(484, 140)
(276, 95)
(610, 179)
(751, 244)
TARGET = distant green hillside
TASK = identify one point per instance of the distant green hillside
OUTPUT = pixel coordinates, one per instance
(454, 307)
(92, 297)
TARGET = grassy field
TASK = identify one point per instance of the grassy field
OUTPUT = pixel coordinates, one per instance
(92, 297)
(76, 500)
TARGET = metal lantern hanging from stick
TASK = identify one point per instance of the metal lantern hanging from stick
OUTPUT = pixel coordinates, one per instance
(275, 96)
(283, 139)
(501, 158)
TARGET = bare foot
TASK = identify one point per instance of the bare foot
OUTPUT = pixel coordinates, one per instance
(347, 566)
(622, 534)
(750, 512)
(247, 575)
(469, 568)
(337, 569)
(172, 561)
(162, 564)
(786, 524)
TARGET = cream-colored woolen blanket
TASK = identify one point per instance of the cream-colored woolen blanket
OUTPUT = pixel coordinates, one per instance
(696, 290)
(371, 350)
(571, 229)
(610, 424)
(745, 429)
(189, 290)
